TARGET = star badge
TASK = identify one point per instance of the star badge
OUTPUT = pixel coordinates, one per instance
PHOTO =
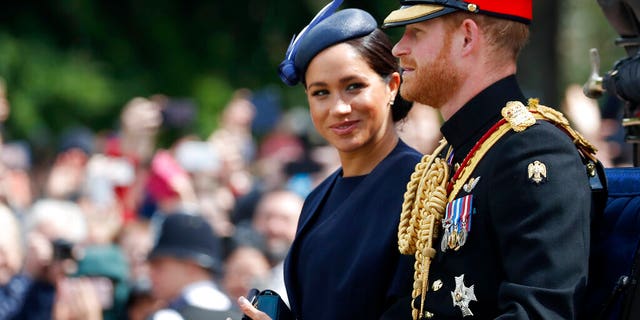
(462, 296)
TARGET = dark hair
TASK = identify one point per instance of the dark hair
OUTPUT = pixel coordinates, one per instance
(375, 48)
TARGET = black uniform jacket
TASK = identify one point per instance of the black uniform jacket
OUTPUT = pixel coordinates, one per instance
(344, 262)
(526, 255)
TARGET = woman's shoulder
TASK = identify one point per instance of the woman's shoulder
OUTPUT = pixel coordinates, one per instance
(404, 154)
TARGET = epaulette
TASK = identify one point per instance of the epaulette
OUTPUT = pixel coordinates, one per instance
(518, 118)
(557, 118)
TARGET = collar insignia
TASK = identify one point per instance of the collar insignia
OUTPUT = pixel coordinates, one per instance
(462, 296)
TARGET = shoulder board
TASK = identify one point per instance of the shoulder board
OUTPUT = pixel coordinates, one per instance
(587, 150)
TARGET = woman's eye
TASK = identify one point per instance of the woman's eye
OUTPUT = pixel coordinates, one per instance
(355, 86)
(318, 93)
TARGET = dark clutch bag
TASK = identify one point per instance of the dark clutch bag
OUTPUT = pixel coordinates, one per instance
(269, 302)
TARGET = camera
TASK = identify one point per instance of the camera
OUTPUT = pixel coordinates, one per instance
(623, 80)
(63, 250)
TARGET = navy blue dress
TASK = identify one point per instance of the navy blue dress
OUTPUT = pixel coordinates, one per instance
(344, 262)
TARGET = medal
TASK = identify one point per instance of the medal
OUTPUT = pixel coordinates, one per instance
(462, 295)
(457, 223)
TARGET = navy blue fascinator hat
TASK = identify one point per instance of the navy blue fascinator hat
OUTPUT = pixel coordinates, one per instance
(327, 28)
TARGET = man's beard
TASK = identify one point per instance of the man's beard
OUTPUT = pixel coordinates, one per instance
(435, 83)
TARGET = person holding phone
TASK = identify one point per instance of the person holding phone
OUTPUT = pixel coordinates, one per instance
(344, 262)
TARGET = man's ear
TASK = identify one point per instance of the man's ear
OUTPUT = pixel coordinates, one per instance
(471, 36)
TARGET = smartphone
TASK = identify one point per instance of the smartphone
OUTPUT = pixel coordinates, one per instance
(252, 296)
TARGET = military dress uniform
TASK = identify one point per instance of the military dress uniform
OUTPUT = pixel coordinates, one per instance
(525, 209)
(502, 208)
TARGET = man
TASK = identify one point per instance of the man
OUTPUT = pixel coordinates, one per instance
(183, 262)
(276, 219)
(509, 237)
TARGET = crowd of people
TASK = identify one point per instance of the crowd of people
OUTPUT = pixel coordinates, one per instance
(82, 224)
(139, 221)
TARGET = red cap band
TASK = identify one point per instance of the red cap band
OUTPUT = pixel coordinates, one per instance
(517, 8)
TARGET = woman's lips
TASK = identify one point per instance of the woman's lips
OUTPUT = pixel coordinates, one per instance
(345, 127)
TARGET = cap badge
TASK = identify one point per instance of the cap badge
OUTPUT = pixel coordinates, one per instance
(537, 172)
(462, 296)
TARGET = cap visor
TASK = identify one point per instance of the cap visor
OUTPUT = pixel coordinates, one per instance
(415, 13)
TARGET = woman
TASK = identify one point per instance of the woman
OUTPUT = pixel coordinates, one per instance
(344, 262)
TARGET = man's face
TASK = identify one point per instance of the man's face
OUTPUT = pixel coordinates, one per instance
(429, 75)
(277, 219)
(167, 277)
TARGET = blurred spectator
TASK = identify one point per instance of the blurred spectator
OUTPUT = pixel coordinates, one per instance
(131, 148)
(201, 161)
(245, 268)
(76, 298)
(15, 181)
(584, 115)
(106, 270)
(216, 202)
(140, 121)
(136, 240)
(4, 103)
(141, 303)
(169, 185)
(54, 229)
(185, 261)
(276, 219)
(421, 128)
(67, 175)
(10, 245)
(234, 142)
(13, 286)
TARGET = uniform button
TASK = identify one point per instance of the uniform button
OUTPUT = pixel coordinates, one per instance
(436, 285)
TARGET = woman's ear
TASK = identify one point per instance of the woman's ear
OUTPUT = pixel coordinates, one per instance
(394, 83)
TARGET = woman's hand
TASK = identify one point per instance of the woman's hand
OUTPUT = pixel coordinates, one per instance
(251, 311)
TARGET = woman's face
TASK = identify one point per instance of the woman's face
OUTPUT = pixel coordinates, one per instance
(349, 102)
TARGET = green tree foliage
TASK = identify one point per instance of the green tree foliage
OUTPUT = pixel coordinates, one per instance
(76, 62)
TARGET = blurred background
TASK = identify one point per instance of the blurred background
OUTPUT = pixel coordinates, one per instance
(78, 61)
(115, 115)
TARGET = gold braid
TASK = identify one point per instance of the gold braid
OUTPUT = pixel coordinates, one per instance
(422, 212)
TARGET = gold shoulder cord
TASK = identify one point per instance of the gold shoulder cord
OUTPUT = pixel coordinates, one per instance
(422, 211)
(426, 195)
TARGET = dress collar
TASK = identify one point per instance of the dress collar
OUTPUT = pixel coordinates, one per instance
(469, 123)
